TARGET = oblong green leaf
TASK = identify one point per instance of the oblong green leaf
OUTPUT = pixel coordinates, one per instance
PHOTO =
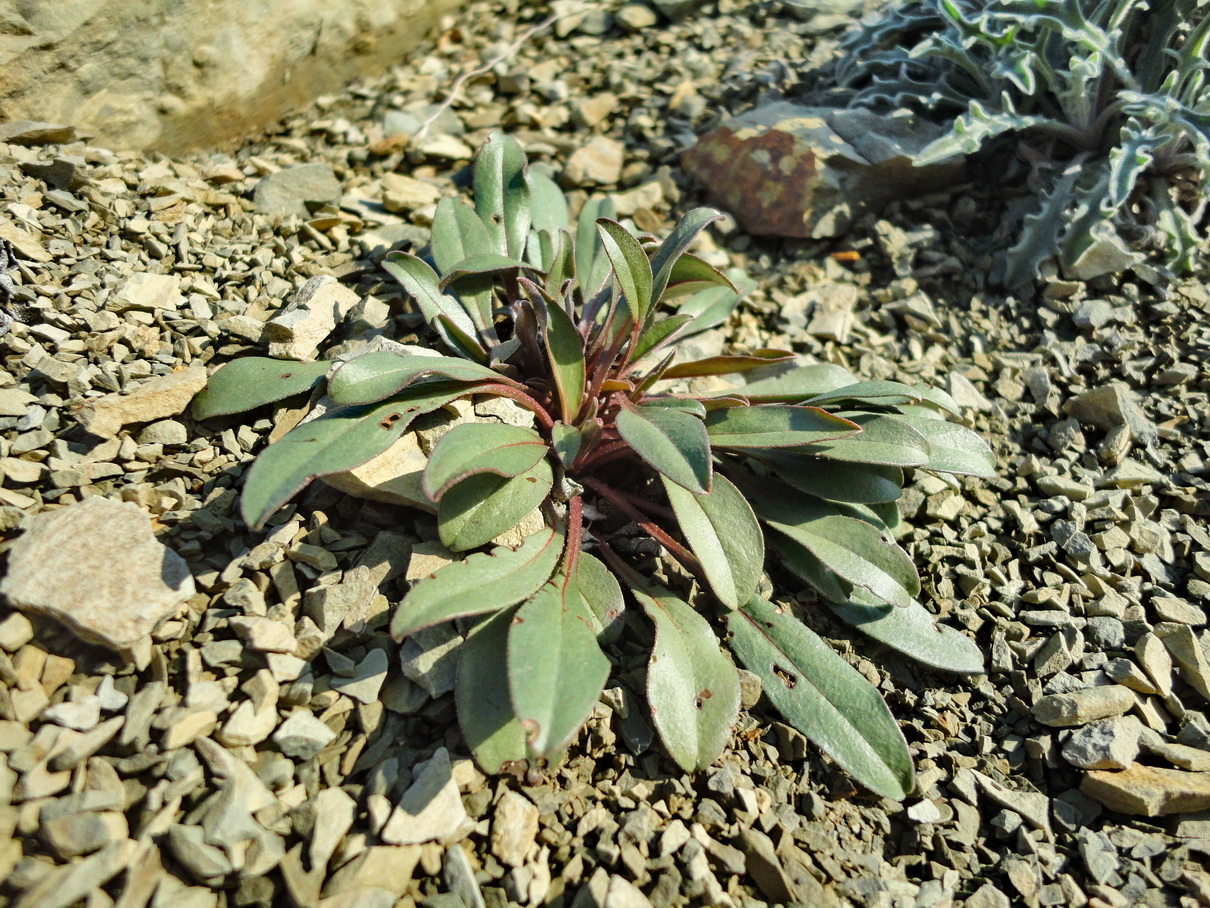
(630, 266)
(883, 392)
(478, 509)
(806, 567)
(857, 552)
(659, 333)
(675, 245)
(485, 711)
(601, 598)
(482, 264)
(483, 582)
(795, 385)
(854, 549)
(592, 265)
(458, 234)
(727, 365)
(775, 426)
(883, 440)
(565, 349)
(836, 480)
(481, 447)
(710, 308)
(566, 441)
(693, 274)
(692, 687)
(823, 697)
(722, 531)
(380, 374)
(338, 440)
(548, 205)
(556, 670)
(913, 632)
(253, 381)
(502, 193)
(672, 442)
(423, 284)
(952, 448)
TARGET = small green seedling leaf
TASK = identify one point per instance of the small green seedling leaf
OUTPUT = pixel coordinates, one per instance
(548, 205)
(478, 509)
(823, 697)
(659, 333)
(485, 712)
(692, 687)
(672, 442)
(592, 264)
(380, 374)
(565, 348)
(338, 440)
(253, 381)
(459, 234)
(676, 245)
(722, 531)
(566, 441)
(484, 582)
(913, 632)
(480, 447)
(556, 670)
(775, 427)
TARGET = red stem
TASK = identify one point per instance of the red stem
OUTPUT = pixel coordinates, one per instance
(524, 400)
(678, 551)
(575, 533)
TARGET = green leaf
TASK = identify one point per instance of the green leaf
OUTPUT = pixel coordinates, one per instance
(726, 365)
(883, 440)
(560, 265)
(883, 392)
(566, 440)
(502, 193)
(380, 374)
(722, 531)
(485, 712)
(565, 349)
(423, 284)
(484, 582)
(480, 447)
(854, 549)
(459, 234)
(692, 274)
(800, 562)
(823, 697)
(659, 333)
(482, 264)
(630, 266)
(710, 308)
(478, 509)
(338, 440)
(675, 245)
(835, 480)
(913, 632)
(253, 381)
(953, 448)
(672, 442)
(547, 203)
(600, 598)
(795, 385)
(692, 687)
(556, 670)
(775, 427)
(592, 265)
(671, 402)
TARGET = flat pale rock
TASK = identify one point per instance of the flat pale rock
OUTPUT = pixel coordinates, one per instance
(1149, 791)
(97, 567)
(147, 292)
(514, 828)
(308, 318)
(599, 162)
(787, 170)
(295, 190)
(431, 809)
(1079, 707)
(157, 398)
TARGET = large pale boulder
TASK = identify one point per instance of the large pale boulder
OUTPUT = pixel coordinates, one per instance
(177, 74)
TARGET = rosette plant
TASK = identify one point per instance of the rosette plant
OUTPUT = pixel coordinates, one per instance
(805, 464)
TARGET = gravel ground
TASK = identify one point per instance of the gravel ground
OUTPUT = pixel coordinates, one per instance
(268, 745)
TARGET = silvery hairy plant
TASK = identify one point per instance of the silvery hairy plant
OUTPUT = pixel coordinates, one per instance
(1107, 98)
(580, 329)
